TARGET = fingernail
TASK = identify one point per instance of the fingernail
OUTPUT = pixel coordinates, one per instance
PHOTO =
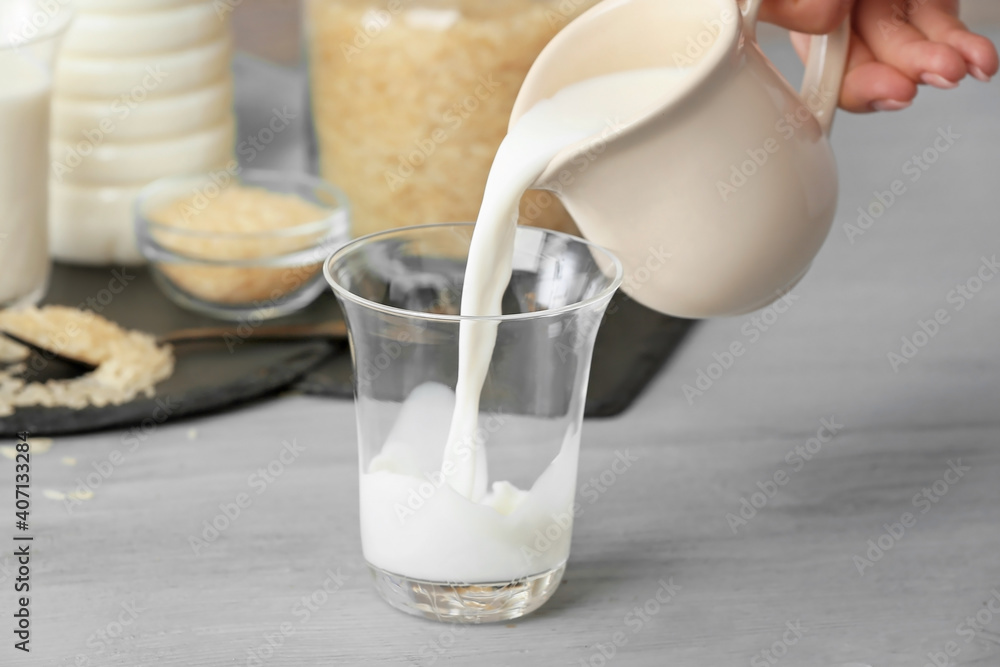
(937, 81)
(979, 74)
(889, 105)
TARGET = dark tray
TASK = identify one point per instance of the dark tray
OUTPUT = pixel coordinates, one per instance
(207, 376)
(632, 345)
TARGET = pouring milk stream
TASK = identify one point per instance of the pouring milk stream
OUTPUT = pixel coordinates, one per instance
(504, 515)
(654, 188)
(575, 113)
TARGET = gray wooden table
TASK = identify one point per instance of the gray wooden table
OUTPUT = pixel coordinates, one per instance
(867, 548)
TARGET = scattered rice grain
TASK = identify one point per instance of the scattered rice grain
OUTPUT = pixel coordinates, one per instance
(129, 363)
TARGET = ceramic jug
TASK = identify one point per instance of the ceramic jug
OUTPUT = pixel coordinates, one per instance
(718, 199)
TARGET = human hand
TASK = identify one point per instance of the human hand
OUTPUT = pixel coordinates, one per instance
(895, 46)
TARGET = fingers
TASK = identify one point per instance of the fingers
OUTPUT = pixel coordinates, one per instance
(938, 21)
(868, 85)
(895, 45)
(893, 40)
(816, 17)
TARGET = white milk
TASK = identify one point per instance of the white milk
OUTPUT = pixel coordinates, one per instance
(25, 90)
(413, 523)
(464, 531)
(573, 114)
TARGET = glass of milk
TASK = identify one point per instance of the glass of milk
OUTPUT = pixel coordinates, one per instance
(467, 489)
(30, 33)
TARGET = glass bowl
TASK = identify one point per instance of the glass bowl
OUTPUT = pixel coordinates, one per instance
(249, 263)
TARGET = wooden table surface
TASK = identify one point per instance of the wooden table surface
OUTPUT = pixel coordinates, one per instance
(816, 571)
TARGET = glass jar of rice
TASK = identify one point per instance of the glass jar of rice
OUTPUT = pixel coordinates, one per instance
(411, 99)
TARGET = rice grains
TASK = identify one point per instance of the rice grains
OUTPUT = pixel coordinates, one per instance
(129, 363)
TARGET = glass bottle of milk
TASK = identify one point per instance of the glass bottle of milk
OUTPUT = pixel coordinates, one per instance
(143, 90)
(30, 34)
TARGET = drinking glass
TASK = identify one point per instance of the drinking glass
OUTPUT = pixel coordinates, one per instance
(30, 34)
(500, 552)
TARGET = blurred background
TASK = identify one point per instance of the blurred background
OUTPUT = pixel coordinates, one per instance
(270, 29)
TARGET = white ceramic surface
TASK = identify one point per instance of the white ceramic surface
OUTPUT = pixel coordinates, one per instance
(716, 201)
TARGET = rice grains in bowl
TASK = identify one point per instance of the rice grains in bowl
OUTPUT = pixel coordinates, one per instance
(129, 363)
(250, 247)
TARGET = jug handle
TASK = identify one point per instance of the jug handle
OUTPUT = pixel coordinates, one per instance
(825, 65)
